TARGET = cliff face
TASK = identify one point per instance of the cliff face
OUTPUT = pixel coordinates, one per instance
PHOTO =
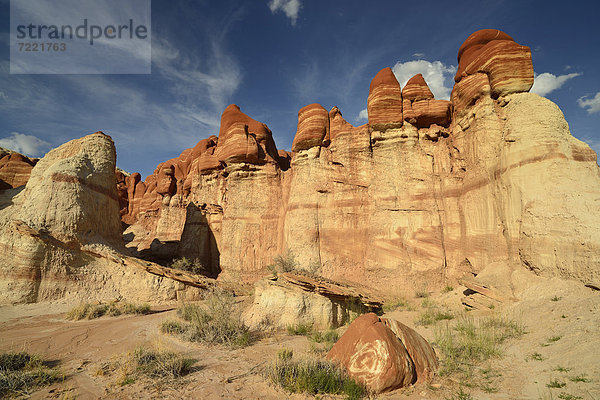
(60, 236)
(426, 192)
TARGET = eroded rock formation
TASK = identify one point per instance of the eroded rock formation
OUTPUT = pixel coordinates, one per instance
(60, 237)
(427, 191)
(384, 354)
(15, 169)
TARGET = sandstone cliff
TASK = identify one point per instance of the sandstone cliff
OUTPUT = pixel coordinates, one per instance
(60, 237)
(428, 191)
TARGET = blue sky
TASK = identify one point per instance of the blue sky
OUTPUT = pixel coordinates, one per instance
(272, 57)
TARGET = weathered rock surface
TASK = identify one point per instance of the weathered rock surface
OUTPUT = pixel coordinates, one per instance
(384, 354)
(492, 178)
(487, 178)
(384, 105)
(313, 127)
(292, 298)
(15, 169)
(507, 64)
(60, 237)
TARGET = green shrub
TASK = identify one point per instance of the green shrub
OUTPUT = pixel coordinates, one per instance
(329, 336)
(194, 266)
(447, 289)
(218, 322)
(432, 315)
(22, 373)
(161, 364)
(313, 377)
(395, 304)
(284, 263)
(172, 327)
(300, 329)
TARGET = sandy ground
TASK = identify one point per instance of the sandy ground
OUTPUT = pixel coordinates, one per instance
(548, 308)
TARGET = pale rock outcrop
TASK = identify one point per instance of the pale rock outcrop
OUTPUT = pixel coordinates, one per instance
(60, 237)
(384, 354)
(292, 298)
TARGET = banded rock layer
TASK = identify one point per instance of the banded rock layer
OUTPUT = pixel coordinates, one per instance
(428, 190)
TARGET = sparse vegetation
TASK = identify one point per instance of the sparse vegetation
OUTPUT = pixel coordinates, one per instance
(283, 263)
(561, 369)
(300, 329)
(113, 309)
(471, 341)
(218, 322)
(567, 396)
(322, 342)
(194, 266)
(556, 298)
(460, 395)
(422, 293)
(156, 364)
(311, 376)
(551, 340)
(447, 289)
(395, 304)
(22, 373)
(161, 364)
(554, 383)
(432, 314)
(579, 378)
(535, 356)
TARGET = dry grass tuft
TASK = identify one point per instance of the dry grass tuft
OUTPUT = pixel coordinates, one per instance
(311, 376)
(218, 322)
(22, 373)
(115, 308)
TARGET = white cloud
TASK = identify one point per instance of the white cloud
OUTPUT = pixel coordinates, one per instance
(3, 96)
(25, 144)
(291, 8)
(547, 82)
(419, 55)
(591, 105)
(362, 115)
(435, 74)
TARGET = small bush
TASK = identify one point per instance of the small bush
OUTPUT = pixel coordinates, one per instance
(313, 377)
(579, 378)
(283, 263)
(217, 323)
(422, 294)
(460, 395)
(285, 354)
(194, 266)
(115, 308)
(536, 356)
(21, 373)
(161, 364)
(556, 298)
(300, 329)
(447, 289)
(172, 327)
(329, 336)
(554, 383)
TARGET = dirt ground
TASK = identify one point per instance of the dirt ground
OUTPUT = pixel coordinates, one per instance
(548, 308)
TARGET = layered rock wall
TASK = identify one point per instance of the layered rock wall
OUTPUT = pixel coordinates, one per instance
(426, 192)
